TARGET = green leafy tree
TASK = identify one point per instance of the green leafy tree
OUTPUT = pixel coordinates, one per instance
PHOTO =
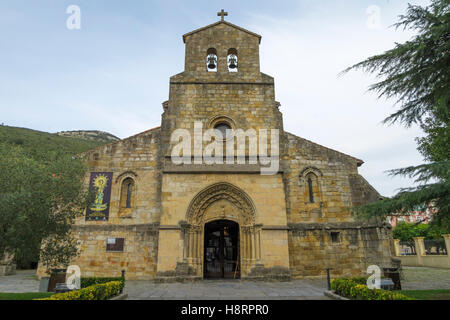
(417, 75)
(39, 202)
(406, 231)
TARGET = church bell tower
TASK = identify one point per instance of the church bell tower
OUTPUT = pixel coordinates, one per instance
(221, 84)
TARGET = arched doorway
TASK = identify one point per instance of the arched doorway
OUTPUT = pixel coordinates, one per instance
(218, 206)
(221, 250)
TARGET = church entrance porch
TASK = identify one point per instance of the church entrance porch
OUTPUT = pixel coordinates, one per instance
(221, 254)
(217, 237)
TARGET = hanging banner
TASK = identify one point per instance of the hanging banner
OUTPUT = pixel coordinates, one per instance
(100, 184)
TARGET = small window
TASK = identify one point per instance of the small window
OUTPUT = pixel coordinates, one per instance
(335, 237)
(310, 190)
(211, 60)
(115, 244)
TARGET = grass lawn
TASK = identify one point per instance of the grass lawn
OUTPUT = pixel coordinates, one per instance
(427, 294)
(25, 295)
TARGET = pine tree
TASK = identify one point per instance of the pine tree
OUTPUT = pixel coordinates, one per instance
(417, 75)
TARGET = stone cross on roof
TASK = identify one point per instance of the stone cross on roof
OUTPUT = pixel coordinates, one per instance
(222, 14)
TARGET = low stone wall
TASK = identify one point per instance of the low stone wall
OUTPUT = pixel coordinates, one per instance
(7, 270)
(426, 261)
(138, 257)
(7, 265)
(333, 295)
(421, 259)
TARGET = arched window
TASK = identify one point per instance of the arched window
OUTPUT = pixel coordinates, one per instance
(223, 124)
(224, 128)
(232, 60)
(312, 187)
(310, 190)
(211, 60)
(310, 183)
(127, 194)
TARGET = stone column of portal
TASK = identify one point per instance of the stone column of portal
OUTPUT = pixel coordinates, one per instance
(258, 242)
(181, 246)
(185, 237)
(244, 254)
(191, 246)
(250, 261)
(196, 246)
(186, 245)
(253, 240)
(249, 247)
(200, 251)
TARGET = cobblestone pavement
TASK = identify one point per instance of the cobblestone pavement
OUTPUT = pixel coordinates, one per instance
(227, 290)
(419, 278)
(22, 281)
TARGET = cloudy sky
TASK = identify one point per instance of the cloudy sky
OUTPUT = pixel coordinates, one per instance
(113, 73)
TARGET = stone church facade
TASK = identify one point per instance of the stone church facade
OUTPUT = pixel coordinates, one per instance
(171, 221)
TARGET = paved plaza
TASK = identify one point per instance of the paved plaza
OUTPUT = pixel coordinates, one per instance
(22, 281)
(227, 290)
(413, 279)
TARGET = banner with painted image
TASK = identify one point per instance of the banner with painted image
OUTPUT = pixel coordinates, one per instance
(100, 184)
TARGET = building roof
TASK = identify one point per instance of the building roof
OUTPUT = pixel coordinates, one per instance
(217, 23)
(359, 162)
(118, 141)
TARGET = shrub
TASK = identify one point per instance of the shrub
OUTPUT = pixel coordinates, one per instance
(100, 291)
(351, 289)
(358, 280)
(87, 282)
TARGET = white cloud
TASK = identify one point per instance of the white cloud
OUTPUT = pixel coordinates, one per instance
(305, 56)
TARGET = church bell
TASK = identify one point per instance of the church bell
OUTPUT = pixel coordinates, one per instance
(233, 61)
(212, 60)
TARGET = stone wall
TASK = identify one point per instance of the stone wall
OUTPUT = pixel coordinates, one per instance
(138, 258)
(137, 158)
(332, 170)
(312, 249)
(339, 187)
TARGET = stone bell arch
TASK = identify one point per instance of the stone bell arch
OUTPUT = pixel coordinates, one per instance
(221, 201)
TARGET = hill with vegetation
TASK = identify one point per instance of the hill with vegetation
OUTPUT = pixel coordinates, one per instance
(38, 173)
(37, 143)
(93, 135)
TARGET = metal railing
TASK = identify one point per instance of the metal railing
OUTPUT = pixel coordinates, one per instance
(407, 248)
(435, 247)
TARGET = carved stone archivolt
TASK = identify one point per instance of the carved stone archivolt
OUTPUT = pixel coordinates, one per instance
(310, 169)
(221, 201)
(221, 191)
